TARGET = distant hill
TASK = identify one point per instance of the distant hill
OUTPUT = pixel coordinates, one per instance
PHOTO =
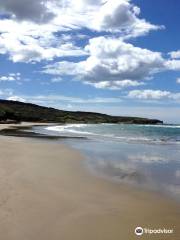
(14, 111)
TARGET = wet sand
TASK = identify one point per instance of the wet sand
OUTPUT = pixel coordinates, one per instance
(47, 194)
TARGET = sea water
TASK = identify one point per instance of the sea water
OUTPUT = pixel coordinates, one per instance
(147, 156)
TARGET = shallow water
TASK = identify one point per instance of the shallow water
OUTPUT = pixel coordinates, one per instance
(122, 132)
(145, 156)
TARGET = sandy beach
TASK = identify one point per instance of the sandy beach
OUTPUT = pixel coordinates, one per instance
(47, 194)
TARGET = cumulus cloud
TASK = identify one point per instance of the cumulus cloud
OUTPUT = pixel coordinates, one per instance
(34, 31)
(122, 16)
(104, 15)
(25, 40)
(101, 15)
(111, 63)
(175, 54)
(173, 64)
(111, 57)
(114, 64)
(29, 10)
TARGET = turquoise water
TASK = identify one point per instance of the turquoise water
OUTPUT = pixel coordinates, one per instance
(122, 132)
(142, 155)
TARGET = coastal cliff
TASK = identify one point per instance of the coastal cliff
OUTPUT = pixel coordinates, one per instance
(14, 111)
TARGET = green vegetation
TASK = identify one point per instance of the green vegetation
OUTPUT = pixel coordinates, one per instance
(17, 111)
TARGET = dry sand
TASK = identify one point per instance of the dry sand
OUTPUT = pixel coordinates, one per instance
(47, 194)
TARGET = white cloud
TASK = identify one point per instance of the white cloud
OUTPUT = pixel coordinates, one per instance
(112, 64)
(149, 94)
(34, 28)
(100, 15)
(121, 16)
(175, 54)
(16, 98)
(116, 85)
(173, 65)
(28, 42)
(10, 77)
(178, 80)
(115, 59)
(36, 11)
(44, 30)
(65, 68)
(103, 15)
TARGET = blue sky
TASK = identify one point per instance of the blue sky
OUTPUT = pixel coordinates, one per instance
(114, 56)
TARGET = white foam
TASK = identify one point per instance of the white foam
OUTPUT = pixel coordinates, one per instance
(81, 130)
(70, 129)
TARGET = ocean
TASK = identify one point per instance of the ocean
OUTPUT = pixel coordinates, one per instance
(145, 156)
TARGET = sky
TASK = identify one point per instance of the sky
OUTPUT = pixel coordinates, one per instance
(119, 57)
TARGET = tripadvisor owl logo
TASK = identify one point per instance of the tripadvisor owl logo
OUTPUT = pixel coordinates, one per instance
(139, 231)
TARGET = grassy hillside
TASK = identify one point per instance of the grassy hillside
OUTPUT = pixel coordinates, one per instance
(18, 111)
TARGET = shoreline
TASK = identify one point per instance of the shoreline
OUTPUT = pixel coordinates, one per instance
(46, 193)
(19, 131)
